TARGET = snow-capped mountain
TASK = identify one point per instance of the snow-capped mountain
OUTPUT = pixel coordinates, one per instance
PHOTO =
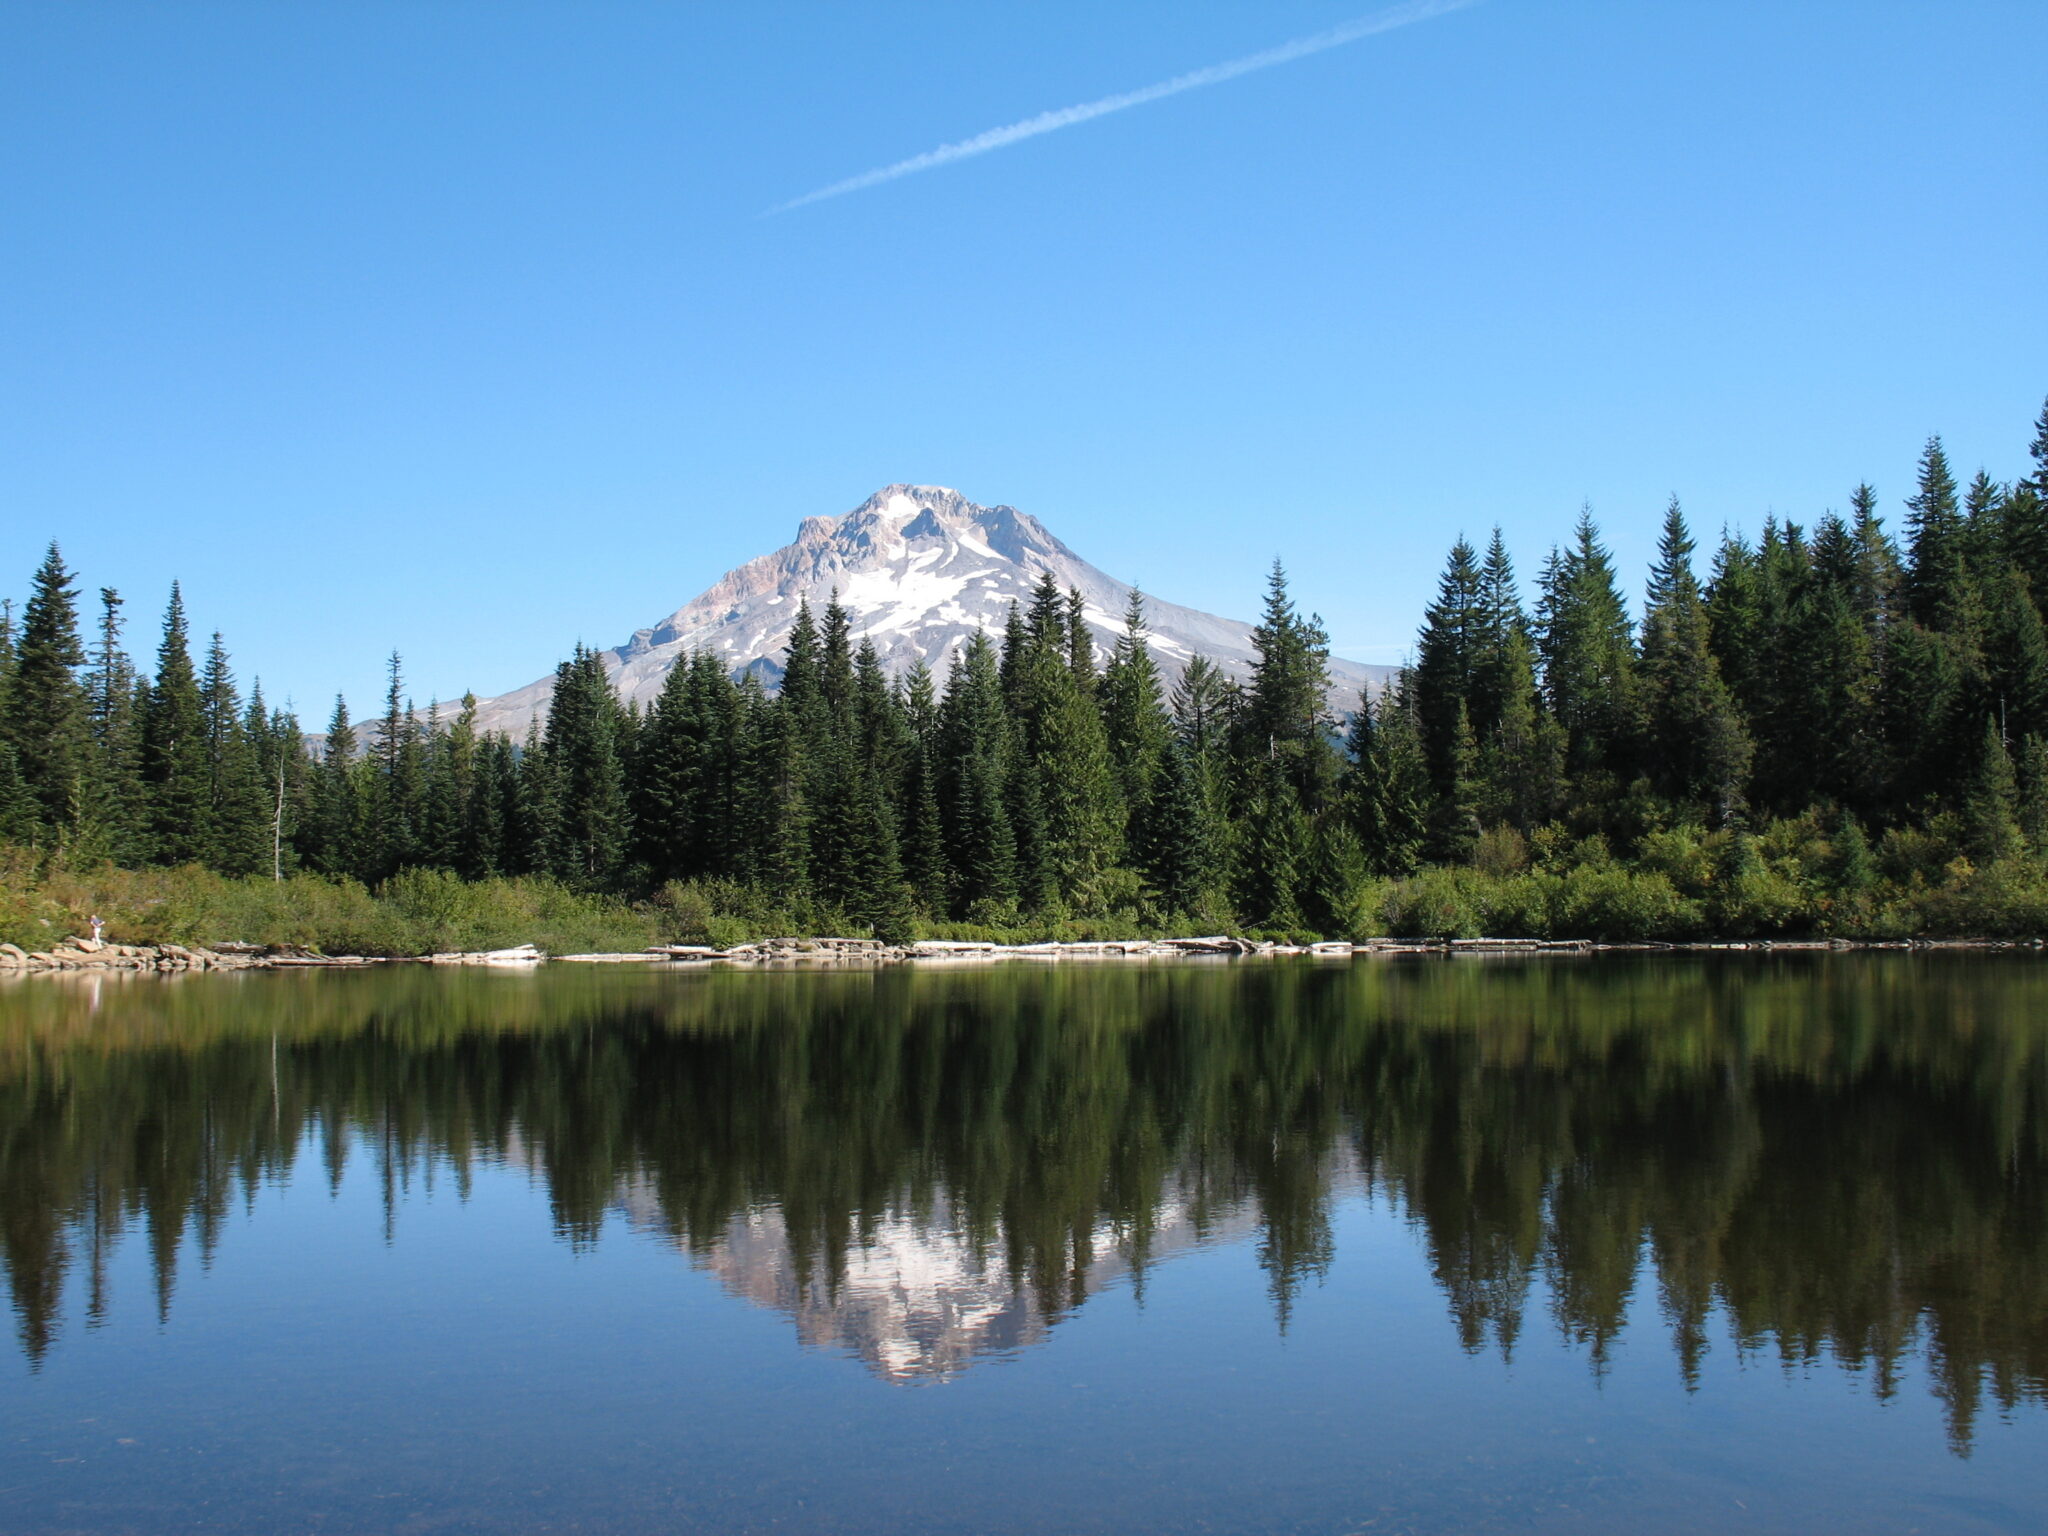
(919, 568)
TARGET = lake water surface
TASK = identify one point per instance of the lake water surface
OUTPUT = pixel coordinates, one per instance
(1615, 1245)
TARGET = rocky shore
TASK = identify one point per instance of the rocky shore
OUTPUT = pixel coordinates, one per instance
(75, 954)
(88, 955)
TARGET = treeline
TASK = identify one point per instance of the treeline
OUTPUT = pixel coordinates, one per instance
(1829, 730)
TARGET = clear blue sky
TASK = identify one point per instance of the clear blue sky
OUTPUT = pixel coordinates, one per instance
(457, 327)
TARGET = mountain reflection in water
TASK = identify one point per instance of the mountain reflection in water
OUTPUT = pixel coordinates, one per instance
(1841, 1157)
(918, 1300)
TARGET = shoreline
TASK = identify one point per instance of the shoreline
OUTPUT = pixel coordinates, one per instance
(77, 955)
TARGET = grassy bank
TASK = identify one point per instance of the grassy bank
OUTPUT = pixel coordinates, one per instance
(1793, 881)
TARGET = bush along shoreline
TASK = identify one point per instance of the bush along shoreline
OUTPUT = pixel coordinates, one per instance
(1827, 732)
(1784, 889)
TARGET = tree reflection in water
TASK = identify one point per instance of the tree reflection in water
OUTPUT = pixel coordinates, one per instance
(1842, 1155)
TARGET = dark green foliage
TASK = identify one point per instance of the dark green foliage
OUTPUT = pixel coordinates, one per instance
(1175, 838)
(1284, 720)
(1386, 787)
(177, 782)
(973, 765)
(1134, 718)
(1826, 737)
(1936, 570)
(46, 722)
(1991, 809)
(1695, 748)
(584, 826)
(1589, 661)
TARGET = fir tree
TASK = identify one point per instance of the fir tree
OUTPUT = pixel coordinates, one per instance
(973, 754)
(2015, 655)
(46, 720)
(1387, 790)
(1878, 573)
(586, 832)
(1133, 717)
(1584, 641)
(1697, 752)
(1199, 704)
(1284, 719)
(1503, 663)
(1448, 655)
(337, 833)
(1066, 756)
(177, 780)
(1991, 808)
(2032, 780)
(17, 806)
(114, 801)
(237, 810)
(1176, 843)
(1936, 572)
(1080, 644)
(1454, 806)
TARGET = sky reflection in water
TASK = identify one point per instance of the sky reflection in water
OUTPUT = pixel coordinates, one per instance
(1634, 1244)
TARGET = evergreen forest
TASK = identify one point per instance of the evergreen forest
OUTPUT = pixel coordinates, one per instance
(1834, 730)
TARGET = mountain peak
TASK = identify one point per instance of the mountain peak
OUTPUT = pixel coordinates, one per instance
(919, 568)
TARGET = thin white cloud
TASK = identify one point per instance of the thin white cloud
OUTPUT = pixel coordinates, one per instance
(1067, 117)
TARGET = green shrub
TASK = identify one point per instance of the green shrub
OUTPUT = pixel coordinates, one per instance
(1621, 905)
(1436, 903)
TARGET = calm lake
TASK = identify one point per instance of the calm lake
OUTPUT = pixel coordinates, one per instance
(1627, 1244)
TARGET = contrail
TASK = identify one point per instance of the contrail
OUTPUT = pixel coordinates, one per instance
(1067, 117)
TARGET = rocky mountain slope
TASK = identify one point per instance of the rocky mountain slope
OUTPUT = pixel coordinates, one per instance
(919, 568)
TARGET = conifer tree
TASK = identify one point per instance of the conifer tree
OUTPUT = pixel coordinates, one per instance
(1984, 531)
(1453, 818)
(397, 786)
(1066, 758)
(1829, 732)
(2031, 774)
(17, 806)
(2015, 655)
(835, 662)
(531, 831)
(114, 781)
(1697, 752)
(46, 720)
(586, 832)
(1584, 640)
(1991, 809)
(278, 748)
(1447, 660)
(174, 759)
(1922, 707)
(1133, 716)
(2025, 521)
(1878, 574)
(1503, 664)
(671, 778)
(1175, 839)
(1284, 719)
(337, 834)
(1200, 705)
(492, 810)
(924, 838)
(1521, 759)
(237, 810)
(1936, 572)
(1387, 790)
(1273, 857)
(974, 805)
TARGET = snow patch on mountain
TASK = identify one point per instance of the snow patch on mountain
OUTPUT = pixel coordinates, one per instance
(918, 568)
